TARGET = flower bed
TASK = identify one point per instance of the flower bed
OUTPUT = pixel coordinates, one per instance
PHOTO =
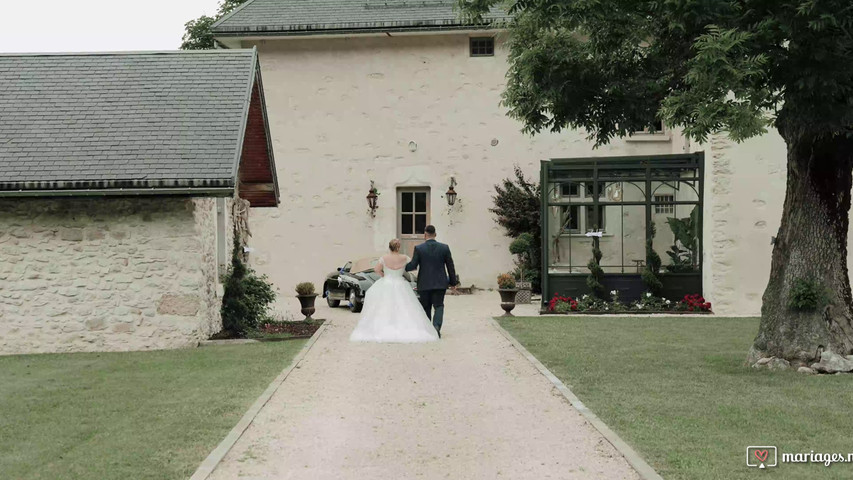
(301, 329)
(648, 304)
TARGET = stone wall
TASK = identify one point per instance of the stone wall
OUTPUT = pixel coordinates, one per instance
(106, 274)
(204, 211)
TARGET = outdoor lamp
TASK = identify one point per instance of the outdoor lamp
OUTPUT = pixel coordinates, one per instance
(372, 197)
(451, 193)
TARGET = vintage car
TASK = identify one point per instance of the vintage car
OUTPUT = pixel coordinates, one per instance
(350, 282)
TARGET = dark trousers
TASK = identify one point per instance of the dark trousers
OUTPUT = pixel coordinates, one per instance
(433, 299)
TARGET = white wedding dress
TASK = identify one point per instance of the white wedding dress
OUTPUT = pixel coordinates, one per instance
(392, 313)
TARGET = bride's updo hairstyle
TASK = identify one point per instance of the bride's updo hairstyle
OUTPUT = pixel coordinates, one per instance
(394, 245)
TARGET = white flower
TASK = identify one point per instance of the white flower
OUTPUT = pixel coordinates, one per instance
(648, 294)
(607, 308)
(585, 296)
(668, 302)
(640, 306)
(613, 292)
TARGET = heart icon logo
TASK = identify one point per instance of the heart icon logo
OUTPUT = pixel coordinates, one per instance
(761, 455)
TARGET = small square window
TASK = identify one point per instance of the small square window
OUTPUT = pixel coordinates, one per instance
(657, 129)
(593, 221)
(664, 209)
(570, 189)
(482, 47)
(571, 219)
(601, 187)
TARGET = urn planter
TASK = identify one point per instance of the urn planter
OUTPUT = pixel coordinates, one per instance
(307, 303)
(508, 300)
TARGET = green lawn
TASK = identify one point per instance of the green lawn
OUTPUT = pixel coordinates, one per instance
(145, 415)
(677, 391)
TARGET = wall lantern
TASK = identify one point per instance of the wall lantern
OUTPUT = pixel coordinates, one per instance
(372, 197)
(451, 193)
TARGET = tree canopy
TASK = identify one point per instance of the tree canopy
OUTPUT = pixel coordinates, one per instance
(197, 33)
(613, 67)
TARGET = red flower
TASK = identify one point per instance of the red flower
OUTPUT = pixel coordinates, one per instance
(558, 299)
(695, 302)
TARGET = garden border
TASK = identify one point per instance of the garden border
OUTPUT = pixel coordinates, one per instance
(209, 464)
(648, 313)
(645, 470)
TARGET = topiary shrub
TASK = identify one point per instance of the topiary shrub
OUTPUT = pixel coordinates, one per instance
(247, 297)
(596, 274)
(517, 210)
(522, 248)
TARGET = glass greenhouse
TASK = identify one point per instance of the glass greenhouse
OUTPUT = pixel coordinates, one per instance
(622, 204)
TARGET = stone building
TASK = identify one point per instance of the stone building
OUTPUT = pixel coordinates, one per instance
(122, 179)
(406, 96)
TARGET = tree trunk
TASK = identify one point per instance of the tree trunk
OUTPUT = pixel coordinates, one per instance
(811, 245)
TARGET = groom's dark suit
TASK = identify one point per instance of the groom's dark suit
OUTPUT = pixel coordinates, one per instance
(433, 258)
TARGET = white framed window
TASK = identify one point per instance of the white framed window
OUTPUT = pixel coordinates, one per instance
(579, 219)
(664, 207)
(660, 133)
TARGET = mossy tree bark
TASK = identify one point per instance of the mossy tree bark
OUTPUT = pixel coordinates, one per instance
(811, 245)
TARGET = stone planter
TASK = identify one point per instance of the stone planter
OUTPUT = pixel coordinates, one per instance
(307, 303)
(508, 300)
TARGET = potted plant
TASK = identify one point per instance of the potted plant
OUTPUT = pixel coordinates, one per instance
(521, 248)
(506, 287)
(306, 295)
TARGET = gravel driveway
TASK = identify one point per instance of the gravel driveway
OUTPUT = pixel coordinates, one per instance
(467, 407)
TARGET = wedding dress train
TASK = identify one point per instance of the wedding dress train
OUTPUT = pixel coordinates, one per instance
(392, 313)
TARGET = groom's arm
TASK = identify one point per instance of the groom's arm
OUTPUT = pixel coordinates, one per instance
(451, 269)
(414, 263)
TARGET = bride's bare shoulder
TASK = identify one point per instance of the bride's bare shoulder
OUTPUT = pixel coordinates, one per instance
(394, 260)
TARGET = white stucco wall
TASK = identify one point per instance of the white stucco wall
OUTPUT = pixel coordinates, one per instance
(106, 274)
(744, 195)
(343, 112)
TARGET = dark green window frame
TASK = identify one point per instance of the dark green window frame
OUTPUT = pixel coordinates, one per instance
(595, 174)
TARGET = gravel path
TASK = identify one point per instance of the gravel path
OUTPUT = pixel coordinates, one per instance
(467, 407)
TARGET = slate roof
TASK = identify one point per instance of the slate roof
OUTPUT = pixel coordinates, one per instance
(305, 17)
(161, 120)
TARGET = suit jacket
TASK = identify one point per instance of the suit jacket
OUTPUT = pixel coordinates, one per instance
(433, 258)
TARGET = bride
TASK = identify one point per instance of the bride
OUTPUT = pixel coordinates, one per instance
(392, 312)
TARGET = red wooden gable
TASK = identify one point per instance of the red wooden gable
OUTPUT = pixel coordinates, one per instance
(257, 180)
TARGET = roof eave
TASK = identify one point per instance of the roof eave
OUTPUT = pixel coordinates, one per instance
(244, 120)
(121, 192)
(319, 30)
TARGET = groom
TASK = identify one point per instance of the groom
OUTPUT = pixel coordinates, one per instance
(433, 257)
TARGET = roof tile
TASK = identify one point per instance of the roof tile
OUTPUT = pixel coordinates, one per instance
(320, 16)
(92, 117)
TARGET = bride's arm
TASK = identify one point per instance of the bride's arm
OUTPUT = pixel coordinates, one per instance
(378, 268)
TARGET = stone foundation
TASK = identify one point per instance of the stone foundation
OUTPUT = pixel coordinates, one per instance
(107, 274)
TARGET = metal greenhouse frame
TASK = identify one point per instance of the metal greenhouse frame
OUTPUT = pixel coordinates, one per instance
(577, 192)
